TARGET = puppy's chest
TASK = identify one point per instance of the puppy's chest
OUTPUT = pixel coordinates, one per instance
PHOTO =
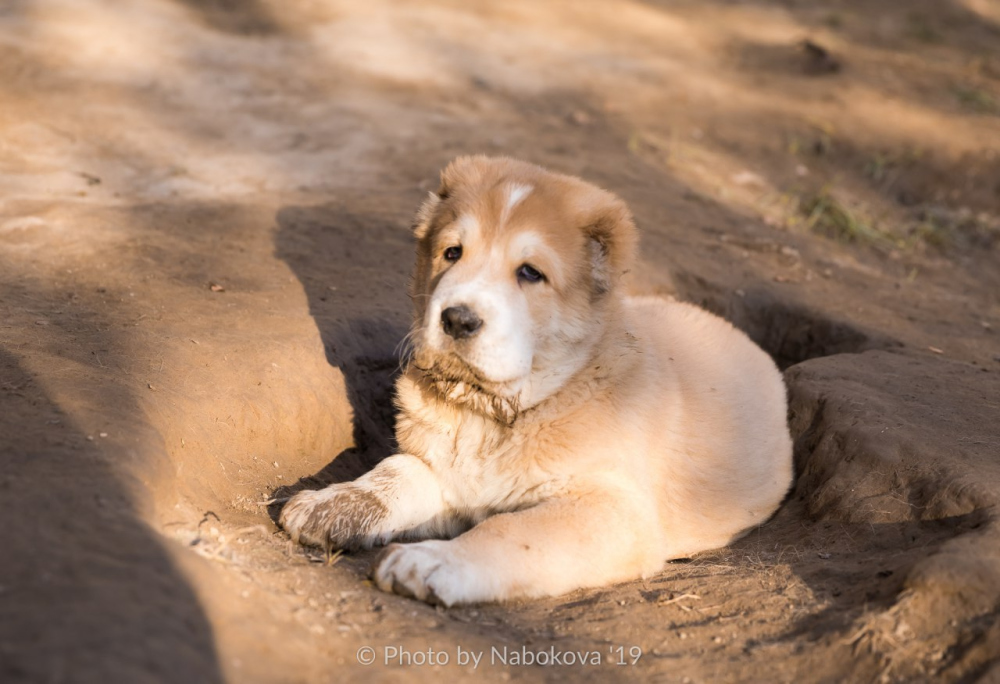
(484, 468)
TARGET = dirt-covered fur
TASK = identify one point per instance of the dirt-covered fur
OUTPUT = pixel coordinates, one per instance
(553, 432)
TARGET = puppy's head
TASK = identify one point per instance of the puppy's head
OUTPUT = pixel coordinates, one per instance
(517, 269)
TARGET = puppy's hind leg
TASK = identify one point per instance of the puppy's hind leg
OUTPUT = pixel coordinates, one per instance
(399, 496)
(585, 539)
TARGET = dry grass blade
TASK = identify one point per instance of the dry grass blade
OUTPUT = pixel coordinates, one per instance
(828, 214)
(275, 500)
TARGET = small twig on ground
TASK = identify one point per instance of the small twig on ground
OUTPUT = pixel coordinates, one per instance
(681, 598)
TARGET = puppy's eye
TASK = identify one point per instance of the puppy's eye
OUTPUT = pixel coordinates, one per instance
(453, 253)
(529, 274)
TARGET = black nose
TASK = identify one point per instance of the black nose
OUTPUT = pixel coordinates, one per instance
(460, 321)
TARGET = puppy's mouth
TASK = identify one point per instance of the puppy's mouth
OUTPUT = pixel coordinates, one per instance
(456, 381)
(447, 371)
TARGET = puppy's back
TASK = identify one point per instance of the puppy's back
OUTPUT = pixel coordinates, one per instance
(725, 456)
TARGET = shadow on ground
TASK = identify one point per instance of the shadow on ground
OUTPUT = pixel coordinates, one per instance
(87, 591)
(334, 252)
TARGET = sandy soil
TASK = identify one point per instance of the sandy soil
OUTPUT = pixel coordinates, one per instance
(204, 211)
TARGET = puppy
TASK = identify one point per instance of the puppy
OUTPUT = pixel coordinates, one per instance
(553, 432)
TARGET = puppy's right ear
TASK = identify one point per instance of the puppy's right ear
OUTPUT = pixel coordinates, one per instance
(462, 172)
(426, 213)
(428, 210)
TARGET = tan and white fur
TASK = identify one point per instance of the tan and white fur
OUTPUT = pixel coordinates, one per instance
(554, 433)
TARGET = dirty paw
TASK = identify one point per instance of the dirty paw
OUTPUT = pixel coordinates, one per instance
(340, 516)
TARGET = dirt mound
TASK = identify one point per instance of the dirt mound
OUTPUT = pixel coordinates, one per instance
(907, 445)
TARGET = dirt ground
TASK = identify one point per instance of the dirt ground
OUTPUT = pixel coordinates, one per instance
(204, 248)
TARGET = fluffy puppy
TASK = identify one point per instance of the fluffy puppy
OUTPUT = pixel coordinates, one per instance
(553, 433)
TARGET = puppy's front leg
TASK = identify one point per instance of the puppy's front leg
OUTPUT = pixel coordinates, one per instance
(400, 495)
(587, 538)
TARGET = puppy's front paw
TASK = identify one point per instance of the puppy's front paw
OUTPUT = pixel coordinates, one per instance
(431, 571)
(340, 516)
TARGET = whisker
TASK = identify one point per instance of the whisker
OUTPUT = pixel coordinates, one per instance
(405, 349)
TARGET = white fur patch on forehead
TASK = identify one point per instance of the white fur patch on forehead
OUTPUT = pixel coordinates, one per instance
(516, 194)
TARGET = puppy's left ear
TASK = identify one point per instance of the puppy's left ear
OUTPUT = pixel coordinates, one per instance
(611, 239)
